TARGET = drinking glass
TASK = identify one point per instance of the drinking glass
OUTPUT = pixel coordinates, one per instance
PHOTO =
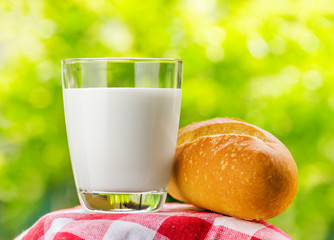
(122, 118)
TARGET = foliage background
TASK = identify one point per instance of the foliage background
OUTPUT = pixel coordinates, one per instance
(267, 62)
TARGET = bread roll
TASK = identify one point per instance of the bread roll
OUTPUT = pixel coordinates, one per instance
(234, 168)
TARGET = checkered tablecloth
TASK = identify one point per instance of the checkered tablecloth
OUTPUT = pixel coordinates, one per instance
(175, 221)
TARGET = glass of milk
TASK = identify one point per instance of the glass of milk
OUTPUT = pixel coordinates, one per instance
(122, 118)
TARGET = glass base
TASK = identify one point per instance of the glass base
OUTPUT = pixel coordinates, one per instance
(122, 202)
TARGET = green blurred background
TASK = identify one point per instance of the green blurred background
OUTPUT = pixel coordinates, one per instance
(267, 62)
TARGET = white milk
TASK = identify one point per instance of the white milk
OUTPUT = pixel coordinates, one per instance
(122, 139)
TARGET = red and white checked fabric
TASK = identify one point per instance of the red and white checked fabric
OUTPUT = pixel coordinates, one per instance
(175, 221)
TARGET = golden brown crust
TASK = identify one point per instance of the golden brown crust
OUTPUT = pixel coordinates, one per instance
(234, 168)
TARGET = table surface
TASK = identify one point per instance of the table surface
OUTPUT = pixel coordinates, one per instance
(174, 221)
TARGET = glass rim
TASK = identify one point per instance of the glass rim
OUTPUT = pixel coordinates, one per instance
(118, 60)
